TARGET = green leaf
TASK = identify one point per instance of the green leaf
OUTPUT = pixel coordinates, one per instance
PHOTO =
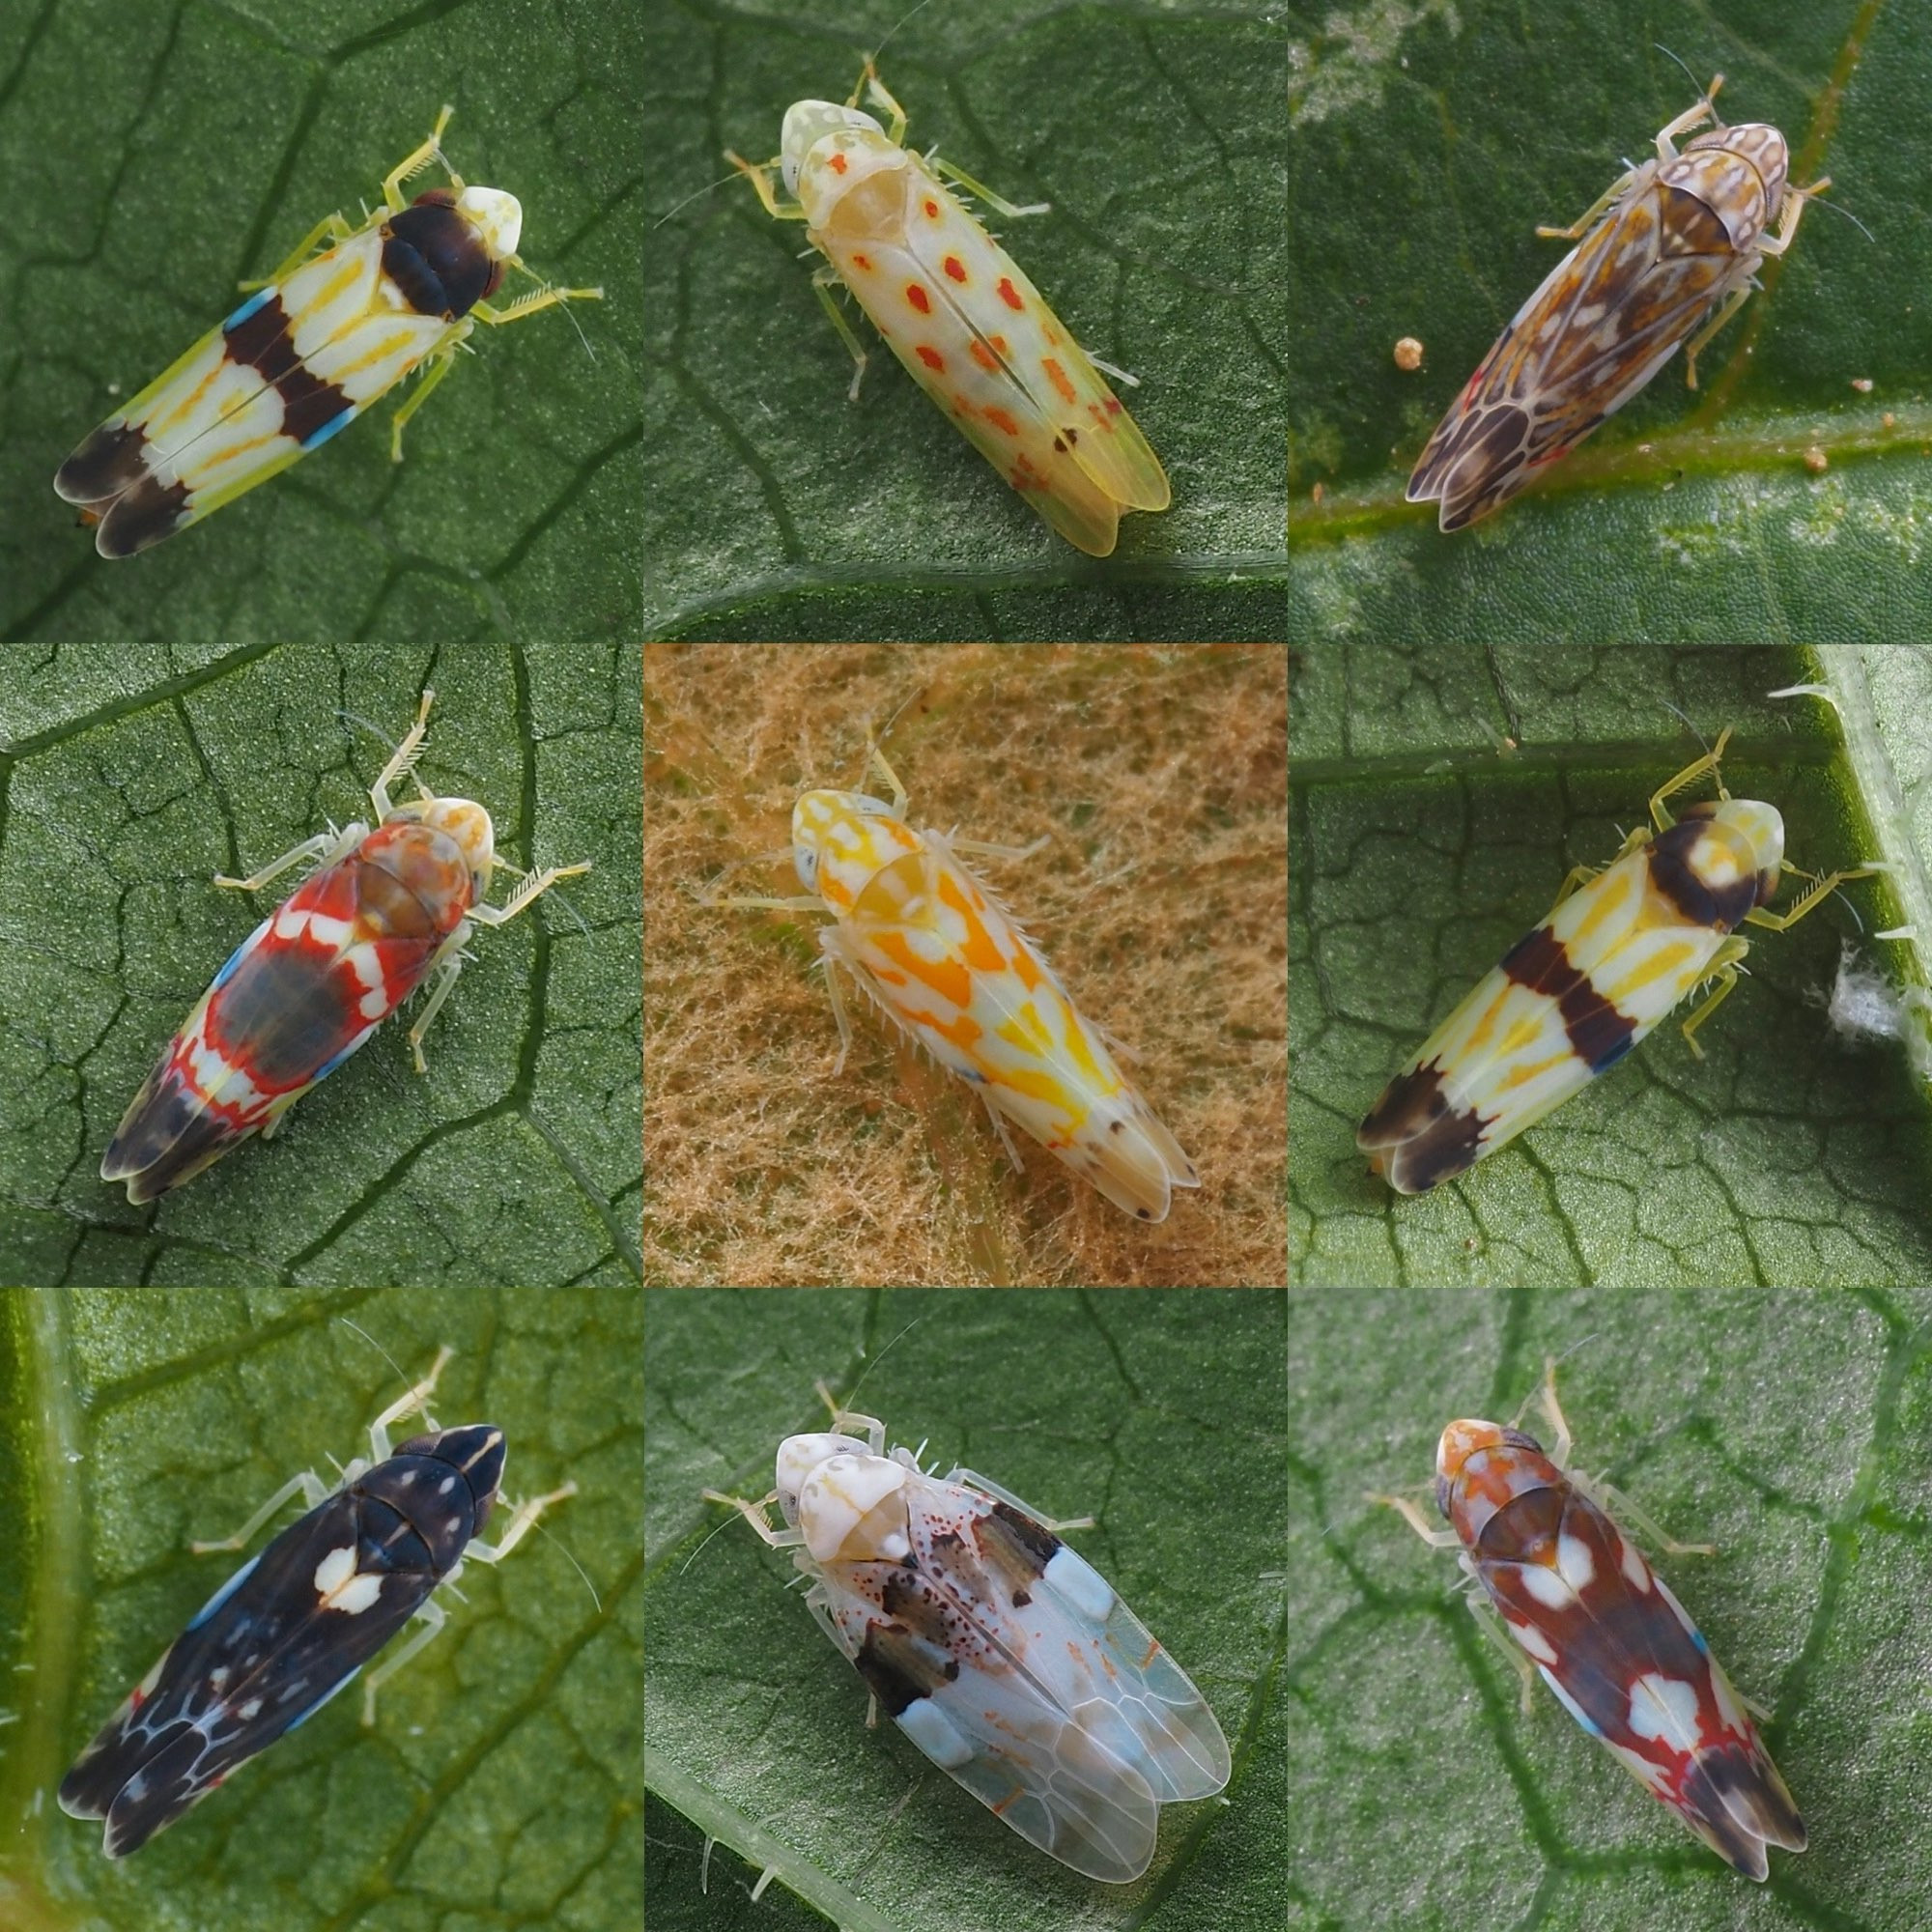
(1438, 798)
(130, 776)
(781, 511)
(1788, 1430)
(500, 1785)
(1430, 141)
(1156, 1413)
(154, 162)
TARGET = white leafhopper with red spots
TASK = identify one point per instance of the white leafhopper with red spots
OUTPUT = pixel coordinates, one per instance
(937, 953)
(959, 313)
(1004, 1657)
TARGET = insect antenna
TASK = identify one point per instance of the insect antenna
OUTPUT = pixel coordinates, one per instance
(697, 194)
(1706, 94)
(1814, 193)
(363, 1332)
(896, 25)
(536, 1523)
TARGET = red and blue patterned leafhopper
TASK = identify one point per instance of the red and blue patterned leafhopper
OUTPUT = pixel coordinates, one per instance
(387, 909)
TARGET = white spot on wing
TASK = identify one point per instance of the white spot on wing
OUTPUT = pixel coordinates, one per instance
(1534, 1642)
(1546, 1585)
(1665, 1707)
(1579, 1568)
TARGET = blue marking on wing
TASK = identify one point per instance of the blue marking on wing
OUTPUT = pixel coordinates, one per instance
(334, 426)
(328, 1066)
(234, 959)
(222, 1594)
(257, 301)
(340, 1683)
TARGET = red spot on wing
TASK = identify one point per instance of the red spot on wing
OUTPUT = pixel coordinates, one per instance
(1002, 421)
(998, 343)
(931, 208)
(955, 268)
(984, 357)
(1059, 378)
(931, 358)
(1009, 294)
(1025, 477)
(861, 261)
(836, 163)
(918, 296)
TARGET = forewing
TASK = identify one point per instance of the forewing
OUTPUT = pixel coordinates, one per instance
(986, 1721)
(1631, 1666)
(259, 1658)
(970, 985)
(1602, 323)
(1066, 1626)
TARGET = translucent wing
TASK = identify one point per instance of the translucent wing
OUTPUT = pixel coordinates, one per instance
(1066, 1626)
(968, 1705)
(264, 1654)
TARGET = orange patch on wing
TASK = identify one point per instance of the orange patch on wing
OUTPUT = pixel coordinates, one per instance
(931, 208)
(861, 261)
(980, 951)
(1003, 422)
(962, 1029)
(953, 982)
(931, 358)
(955, 268)
(986, 358)
(1059, 378)
(836, 163)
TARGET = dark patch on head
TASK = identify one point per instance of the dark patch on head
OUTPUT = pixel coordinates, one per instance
(1419, 1139)
(1526, 1527)
(1718, 909)
(436, 258)
(1599, 1034)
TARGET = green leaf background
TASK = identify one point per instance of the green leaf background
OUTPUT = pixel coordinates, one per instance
(1421, 849)
(1788, 1429)
(129, 777)
(153, 157)
(499, 1786)
(778, 511)
(1427, 142)
(1157, 1412)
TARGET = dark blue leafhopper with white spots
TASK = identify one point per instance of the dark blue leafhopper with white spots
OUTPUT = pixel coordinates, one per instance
(293, 1624)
